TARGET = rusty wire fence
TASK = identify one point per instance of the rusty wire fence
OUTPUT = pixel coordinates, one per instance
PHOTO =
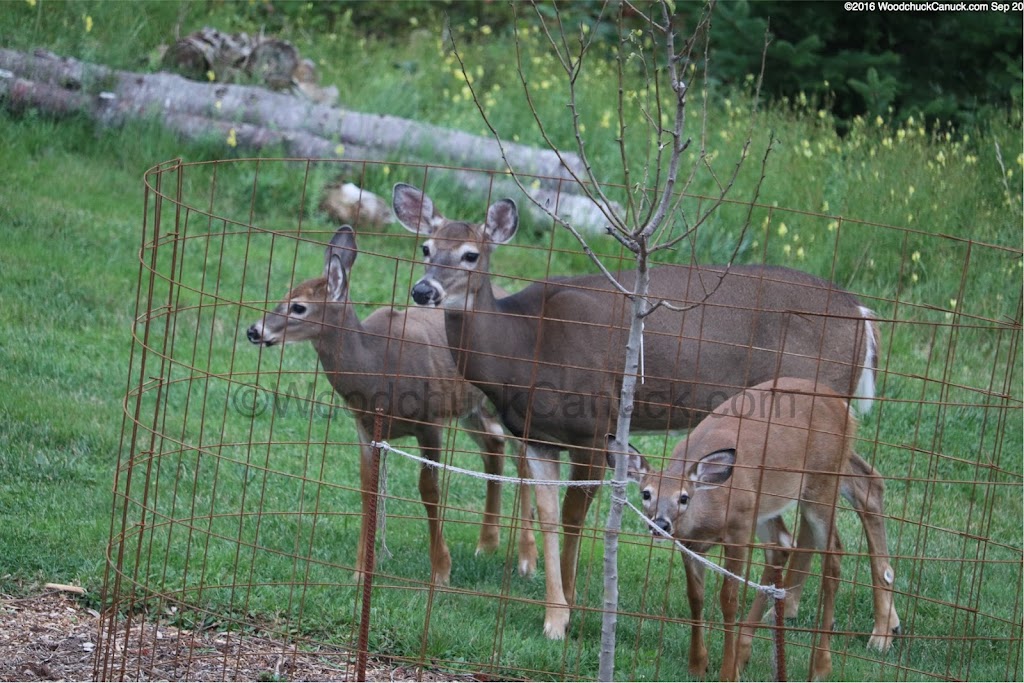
(239, 496)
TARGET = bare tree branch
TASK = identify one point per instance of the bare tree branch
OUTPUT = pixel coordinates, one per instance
(648, 203)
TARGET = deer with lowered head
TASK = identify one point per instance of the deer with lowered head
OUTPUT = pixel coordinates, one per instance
(781, 444)
(397, 361)
(550, 357)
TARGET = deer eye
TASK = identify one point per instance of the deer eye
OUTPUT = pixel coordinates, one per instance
(684, 499)
(426, 251)
(470, 257)
(646, 495)
(297, 309)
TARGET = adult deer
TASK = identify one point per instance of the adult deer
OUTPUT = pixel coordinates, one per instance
(782, 443)
(551, 356)
(397, 361)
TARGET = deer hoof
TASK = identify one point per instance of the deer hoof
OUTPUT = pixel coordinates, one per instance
(743, 654)
(881, 639)
(821, 666)
(527, 566)
(699, 668)
(488, 543)
(556, 623)
(442, 575)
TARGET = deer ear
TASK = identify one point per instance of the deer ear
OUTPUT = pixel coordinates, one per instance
(343, 247)
(414, 209)
(337, 279)
(715, 469)
(338, 259)
(502, 221)
(636, 467)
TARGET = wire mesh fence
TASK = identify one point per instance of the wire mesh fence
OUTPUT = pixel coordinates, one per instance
(244, 488)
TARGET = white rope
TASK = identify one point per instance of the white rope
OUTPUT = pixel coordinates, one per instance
(382, 510)
(772, 591)
(385, 446)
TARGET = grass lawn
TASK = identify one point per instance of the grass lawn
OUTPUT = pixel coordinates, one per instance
(252, 515)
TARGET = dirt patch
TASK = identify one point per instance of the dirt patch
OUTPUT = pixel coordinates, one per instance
(50, 637)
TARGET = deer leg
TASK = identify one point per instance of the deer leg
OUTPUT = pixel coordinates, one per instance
(695, 596)
(543, 464)
(796, 574)
(819, 531)
(527, 541)
(736, 555)
(430, 494)
(574, 514)
(488, 435)
(776, 554)
(864, 488)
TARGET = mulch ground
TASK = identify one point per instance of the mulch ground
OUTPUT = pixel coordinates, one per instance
(51, 637)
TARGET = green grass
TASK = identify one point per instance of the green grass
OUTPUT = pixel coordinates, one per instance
(253, 524)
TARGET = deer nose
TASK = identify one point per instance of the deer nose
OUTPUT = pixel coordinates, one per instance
(253, 334)
(663, 524)
(423, 293)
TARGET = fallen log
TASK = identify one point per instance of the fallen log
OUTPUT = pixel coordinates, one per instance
(164, 93)
(254, 119)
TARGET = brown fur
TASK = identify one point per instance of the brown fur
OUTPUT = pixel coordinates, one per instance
(550, 357)
(790, 442)
(398, 362)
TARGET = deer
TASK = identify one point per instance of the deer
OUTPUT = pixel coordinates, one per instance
(396, 360)
(550, 357)
(782, 443)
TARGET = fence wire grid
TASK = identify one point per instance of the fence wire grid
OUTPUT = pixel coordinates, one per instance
(239, 499)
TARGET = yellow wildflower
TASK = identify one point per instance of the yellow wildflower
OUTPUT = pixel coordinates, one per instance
(783, 229)
(339, 150)
(485, 29)
(800, 253)
(913, 277)
(786, 249)
(232, 138)
(210, 76)
(88, 23)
